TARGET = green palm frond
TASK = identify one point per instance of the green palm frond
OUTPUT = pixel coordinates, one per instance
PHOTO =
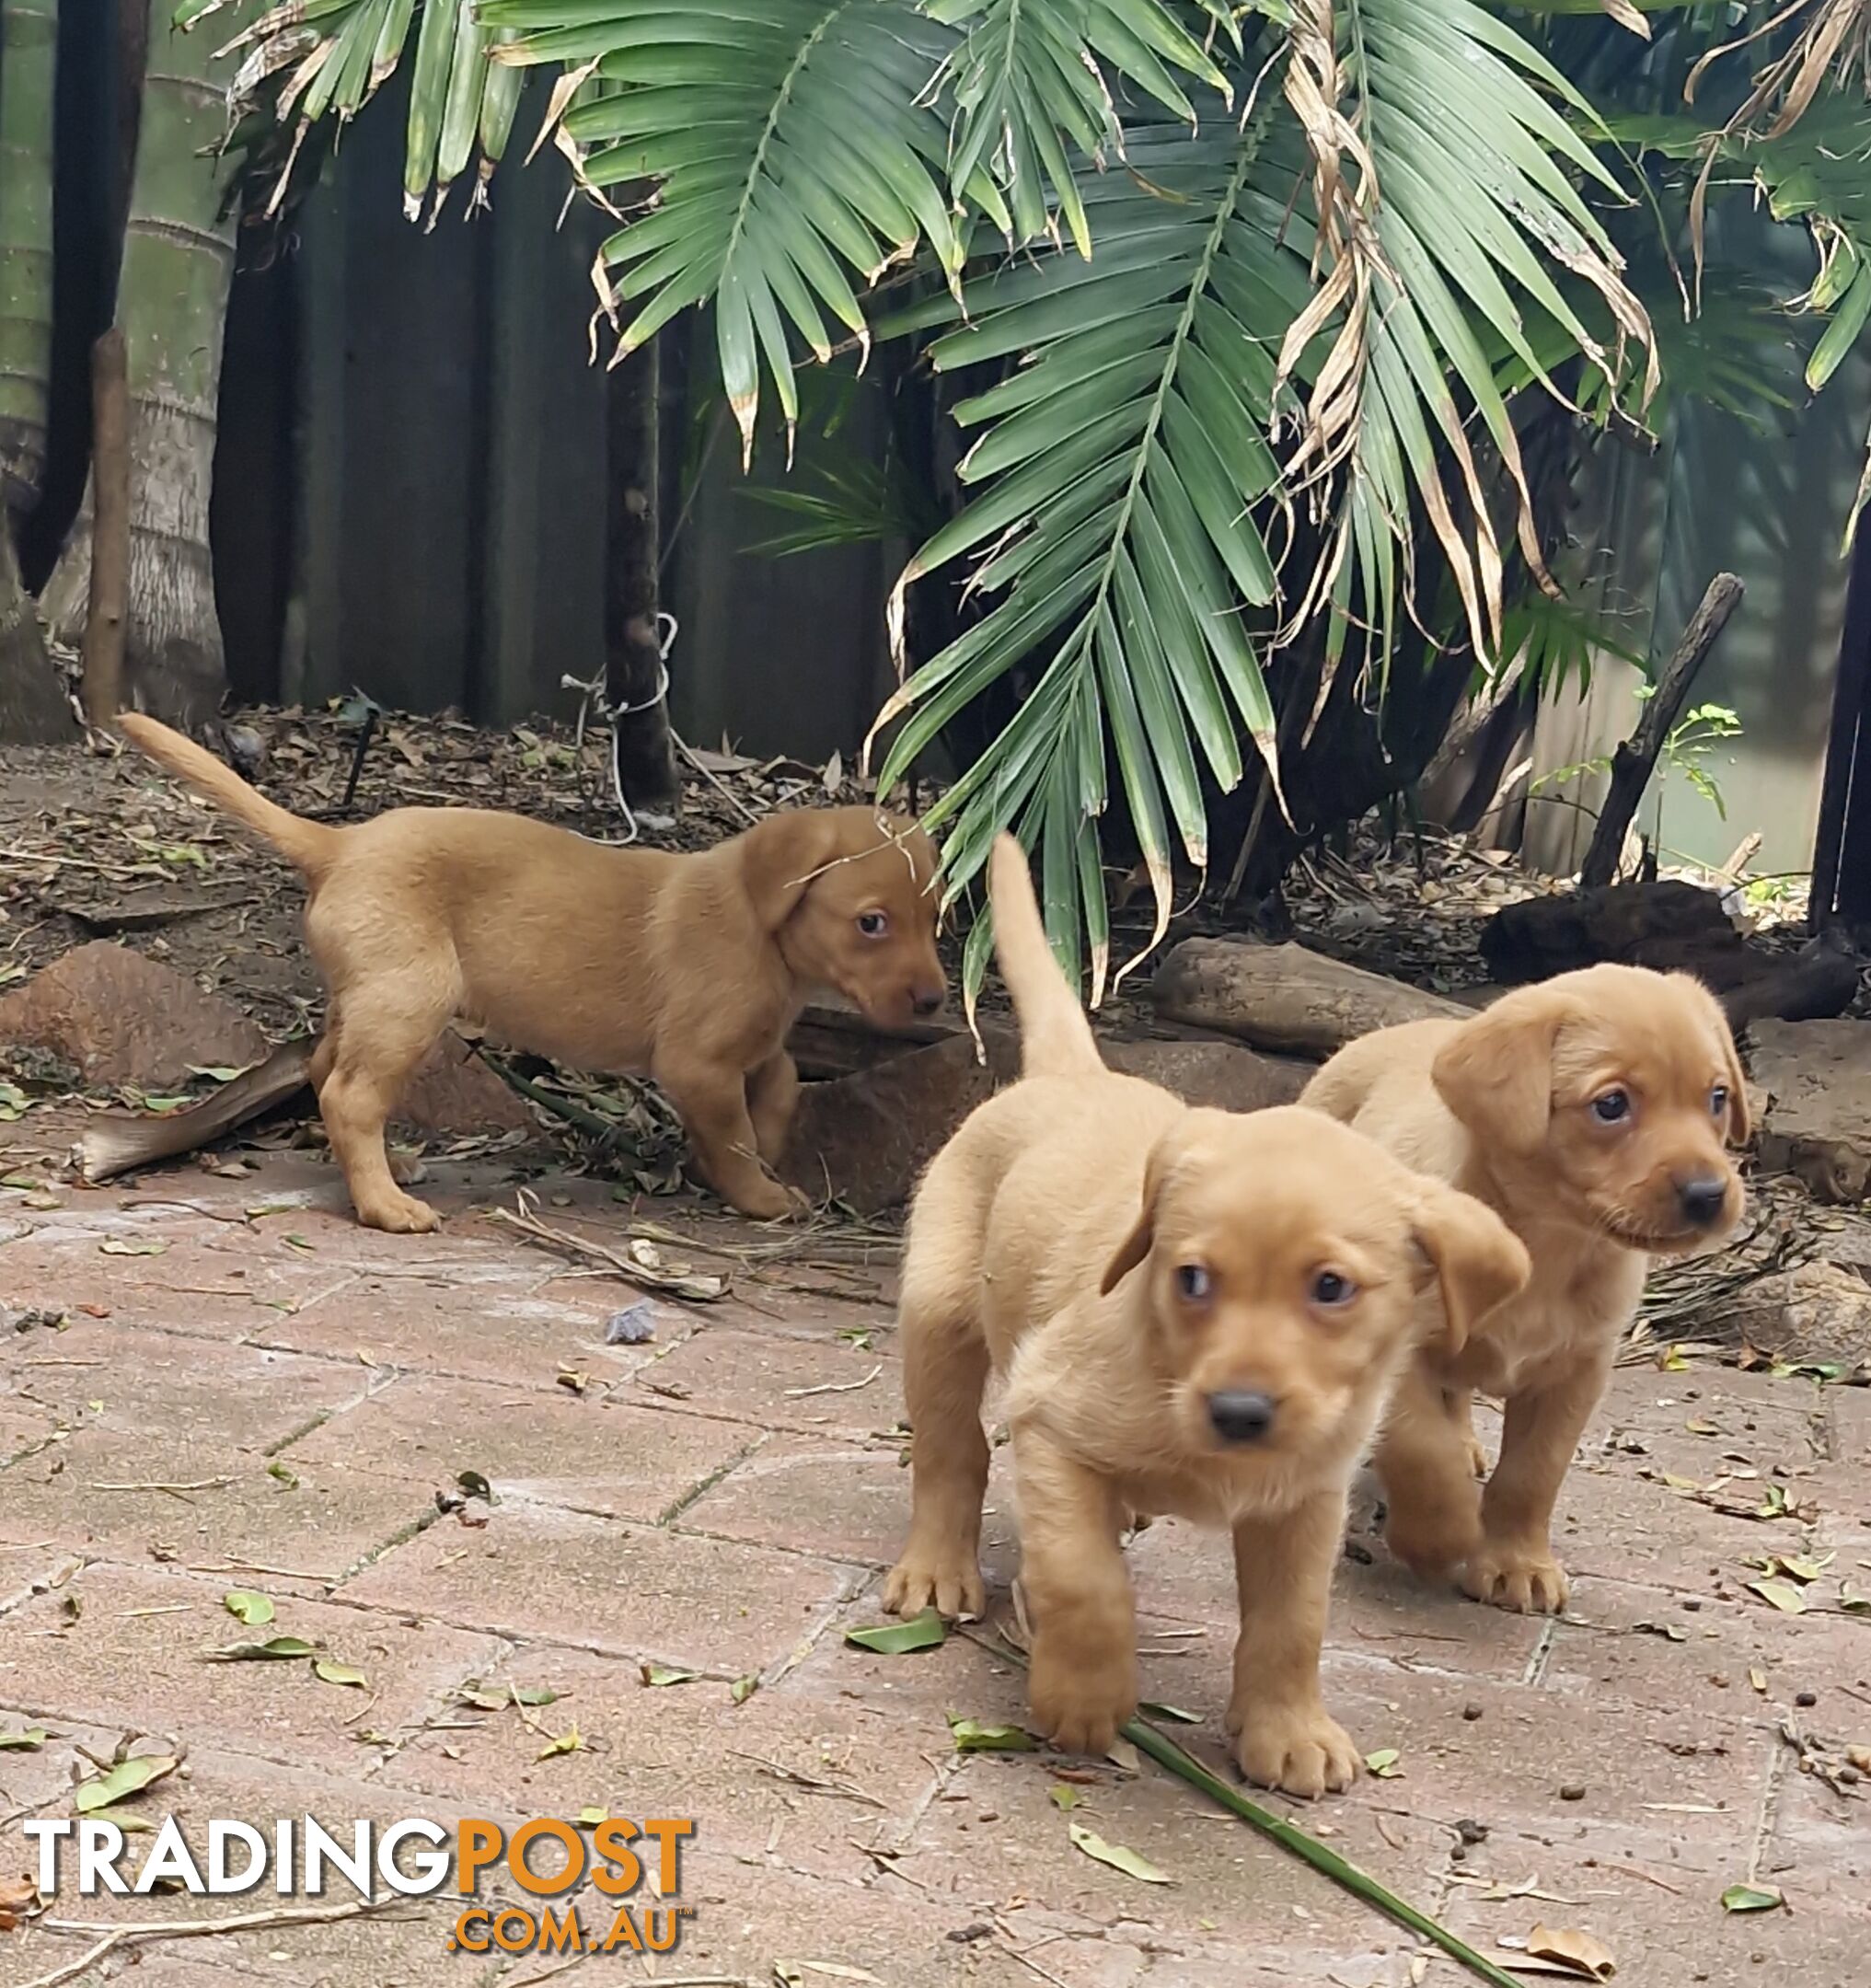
(1435, 249)
(794, 155)
(1033, 80)
(306, 60)
(1123, 467)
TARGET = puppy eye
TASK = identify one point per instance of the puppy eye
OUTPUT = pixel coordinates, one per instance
(1718, 1102)
(1194, 1281)
(873, 924)
(1612, 1107)
(1331, 1290)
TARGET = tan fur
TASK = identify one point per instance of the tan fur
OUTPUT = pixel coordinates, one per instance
(1046, 1245)
(690, 969)
(1501, 1106)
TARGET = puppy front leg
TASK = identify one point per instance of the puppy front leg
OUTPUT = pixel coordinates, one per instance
(1078, 1590)
(1513, 1566)
(1284, 1736)
(772, 1092)
(712, 1100)
(1425, 1463)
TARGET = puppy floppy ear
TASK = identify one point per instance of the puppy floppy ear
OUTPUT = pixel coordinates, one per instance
(1741, 1125)
(1137, 1245)
(1495, 1072)
(780, 857)
(1479, 1262)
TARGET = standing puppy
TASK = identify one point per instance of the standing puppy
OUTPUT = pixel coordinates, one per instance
(1194, 1312)
(1591, 1113)
(690, 969)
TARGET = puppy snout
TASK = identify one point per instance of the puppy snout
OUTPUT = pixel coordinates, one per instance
(1241, 1415)
(927, 1001)
(1703, 1199)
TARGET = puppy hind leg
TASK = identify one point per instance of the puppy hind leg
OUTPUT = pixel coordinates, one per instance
(1423, 1463)
(386, 1034)
(945, 1366)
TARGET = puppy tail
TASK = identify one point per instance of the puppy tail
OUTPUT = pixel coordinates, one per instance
(310, 845)
(1054, 1037)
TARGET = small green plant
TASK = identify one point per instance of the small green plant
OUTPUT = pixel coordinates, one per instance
(1687, 750)
(1692, 741)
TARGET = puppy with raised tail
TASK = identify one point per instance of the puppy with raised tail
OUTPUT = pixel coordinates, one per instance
(1591, 1112)
(686, 968)
(1194, 1312)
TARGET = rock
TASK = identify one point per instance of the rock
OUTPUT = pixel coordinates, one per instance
(867, 1138)
(869, 1135)
(1817, 1075)
(1284, 997)
(1817, 1313)
(453, 1092)
(123, 1019)
(1222, 1074)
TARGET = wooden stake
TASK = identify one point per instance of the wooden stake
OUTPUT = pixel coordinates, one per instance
(109, 603)
(1635, 759)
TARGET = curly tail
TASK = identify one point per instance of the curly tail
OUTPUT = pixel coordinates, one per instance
(1056, 1040)
(310, 846)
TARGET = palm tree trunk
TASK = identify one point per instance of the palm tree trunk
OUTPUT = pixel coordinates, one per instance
(29, 55)
(33, 710)
(634, 679)
(172, 305)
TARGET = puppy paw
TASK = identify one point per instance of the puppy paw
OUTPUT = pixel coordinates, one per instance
(948, 1580)
(1300, 1750)
(400, 1215)
(1079, 1707)
(1433, 1546)
(769, 1201)
(1477, 1458)
(1527, 1579)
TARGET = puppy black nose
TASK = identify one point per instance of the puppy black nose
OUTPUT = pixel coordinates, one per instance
(1702, 1200)
(1239, 1417)
(927, 1004)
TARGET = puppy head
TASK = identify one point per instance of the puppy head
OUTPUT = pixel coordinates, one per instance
(1288, 1267)
(1605, 1098)
(850, 894)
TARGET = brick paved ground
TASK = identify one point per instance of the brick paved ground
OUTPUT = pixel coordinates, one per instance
(722, 1501)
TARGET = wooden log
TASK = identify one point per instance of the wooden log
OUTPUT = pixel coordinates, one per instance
(829, 1041)
(1284, 998)
(110, 602)
(1633, 761)
(1815, 984)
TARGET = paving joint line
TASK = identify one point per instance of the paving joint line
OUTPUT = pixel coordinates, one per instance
(667, 1517)
(1535, 1672)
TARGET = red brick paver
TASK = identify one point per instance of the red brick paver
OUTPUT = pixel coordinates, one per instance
(280, 1401)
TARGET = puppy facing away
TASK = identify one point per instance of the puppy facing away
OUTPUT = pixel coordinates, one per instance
(1591, 1112)
(1194, 1312)
(688, 968)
